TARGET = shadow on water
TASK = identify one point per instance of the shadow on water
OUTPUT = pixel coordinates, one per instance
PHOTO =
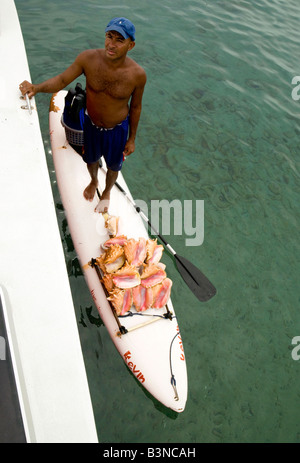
(96, 321)
(158, 405)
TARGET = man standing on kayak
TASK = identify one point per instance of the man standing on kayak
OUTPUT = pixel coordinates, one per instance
(114, 90)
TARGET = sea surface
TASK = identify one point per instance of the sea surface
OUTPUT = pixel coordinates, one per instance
(220, 123)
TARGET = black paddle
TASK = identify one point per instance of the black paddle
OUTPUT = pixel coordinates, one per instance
(198, 283)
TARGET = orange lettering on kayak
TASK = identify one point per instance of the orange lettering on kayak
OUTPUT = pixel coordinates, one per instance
(133, 368)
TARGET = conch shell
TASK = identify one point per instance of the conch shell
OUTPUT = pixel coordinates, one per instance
(142, 298)
(127, 277)
(108, 281)
(114, 258)
(154, 253)
(120, 239)
(111, 223)
(161, 293)
(135, 251)
(152, 275)
(121, 299)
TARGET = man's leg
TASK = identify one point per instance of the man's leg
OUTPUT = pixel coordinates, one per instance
(90, 190)
(111, 177)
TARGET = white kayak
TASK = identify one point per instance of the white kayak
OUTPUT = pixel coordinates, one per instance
(149, 342)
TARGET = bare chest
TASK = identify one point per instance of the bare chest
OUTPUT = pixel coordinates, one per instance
(118, 85)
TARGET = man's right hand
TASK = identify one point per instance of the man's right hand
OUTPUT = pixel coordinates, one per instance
(27, 87)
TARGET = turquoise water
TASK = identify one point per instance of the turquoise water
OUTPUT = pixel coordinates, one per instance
(219, 124)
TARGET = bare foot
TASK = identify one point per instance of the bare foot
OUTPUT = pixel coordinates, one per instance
(90, 191)
(103, 204)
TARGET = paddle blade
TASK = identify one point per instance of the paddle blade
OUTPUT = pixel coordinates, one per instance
(202, 288)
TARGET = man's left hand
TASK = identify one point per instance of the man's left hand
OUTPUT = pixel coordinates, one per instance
(129, 148)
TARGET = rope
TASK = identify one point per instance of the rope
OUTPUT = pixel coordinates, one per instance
(131, 314)
(173, 380)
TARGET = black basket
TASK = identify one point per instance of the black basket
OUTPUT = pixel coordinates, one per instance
(74, 137)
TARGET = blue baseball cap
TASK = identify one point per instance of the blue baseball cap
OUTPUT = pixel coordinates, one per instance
(123, 26)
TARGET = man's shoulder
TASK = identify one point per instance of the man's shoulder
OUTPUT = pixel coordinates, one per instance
(138, 70)
(90, 53)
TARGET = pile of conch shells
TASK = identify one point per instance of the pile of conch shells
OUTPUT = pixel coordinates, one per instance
(133, 274)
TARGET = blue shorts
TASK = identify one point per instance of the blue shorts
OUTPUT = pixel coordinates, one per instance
(109, 143)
